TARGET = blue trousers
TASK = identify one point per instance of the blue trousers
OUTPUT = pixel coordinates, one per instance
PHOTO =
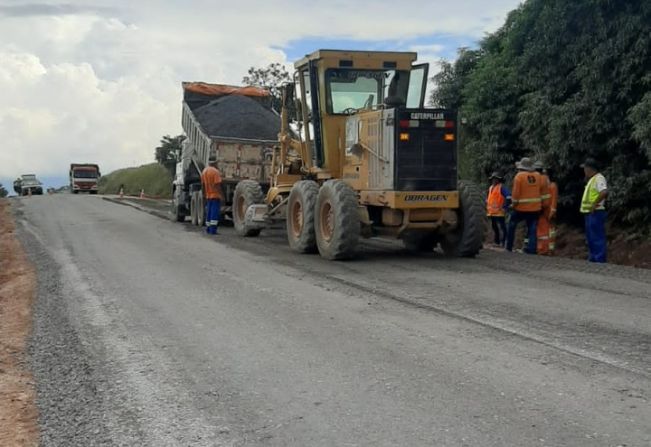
(595, 234)
(531, 218)
(212, 215)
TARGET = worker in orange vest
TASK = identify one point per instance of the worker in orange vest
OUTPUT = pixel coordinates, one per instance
(211, 181)
(497, 202)
(546, 231)
(528, 198)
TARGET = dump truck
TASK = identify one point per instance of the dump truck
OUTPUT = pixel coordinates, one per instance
(234, 125)
(29, 184)
(368, 160)
(84, 177)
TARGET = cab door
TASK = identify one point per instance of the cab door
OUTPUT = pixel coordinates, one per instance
(417, 86)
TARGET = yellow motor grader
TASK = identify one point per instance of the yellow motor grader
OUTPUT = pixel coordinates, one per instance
(360, 156)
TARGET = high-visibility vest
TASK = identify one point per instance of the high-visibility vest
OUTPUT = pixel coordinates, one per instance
(590, 196)
(528, 189)
(495, 201)
(211, 180)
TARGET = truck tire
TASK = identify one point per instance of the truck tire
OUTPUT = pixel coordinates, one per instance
(301, 208)
(247, 193)
(337, 224)
(466, 241)
(419, 242)
(193, 209)
(201, 209)
(178, 214)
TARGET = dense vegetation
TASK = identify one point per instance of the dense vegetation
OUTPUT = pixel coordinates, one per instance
(559, 81)
(154, 178)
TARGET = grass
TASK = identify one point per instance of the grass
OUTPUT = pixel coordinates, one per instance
(153, 178)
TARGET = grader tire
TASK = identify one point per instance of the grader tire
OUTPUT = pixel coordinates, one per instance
(247, 193)
(301, 210)
(193, 209)
(337, 225)
(467, 239)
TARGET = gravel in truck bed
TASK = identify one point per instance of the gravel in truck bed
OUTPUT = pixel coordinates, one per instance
(238, 116)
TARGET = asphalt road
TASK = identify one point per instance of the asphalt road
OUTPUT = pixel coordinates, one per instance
(148, 332)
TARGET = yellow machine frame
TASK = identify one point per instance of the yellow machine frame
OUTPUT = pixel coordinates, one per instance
(293, 159)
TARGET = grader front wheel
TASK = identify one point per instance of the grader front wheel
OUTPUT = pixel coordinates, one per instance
(337, 223)
(301, 209)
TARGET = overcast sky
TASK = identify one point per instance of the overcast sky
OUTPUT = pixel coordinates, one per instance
(99, 81)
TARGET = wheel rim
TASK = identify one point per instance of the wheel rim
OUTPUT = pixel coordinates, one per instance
(327, 221)
(297, 218)
(241, 208)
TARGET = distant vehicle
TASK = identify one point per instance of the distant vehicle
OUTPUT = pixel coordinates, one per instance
(84, 178)
(29, 184)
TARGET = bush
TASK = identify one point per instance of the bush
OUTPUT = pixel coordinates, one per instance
(153, 178)
(561, 81)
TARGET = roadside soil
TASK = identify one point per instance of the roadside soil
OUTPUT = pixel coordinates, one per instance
(632, 250)
(18, 414)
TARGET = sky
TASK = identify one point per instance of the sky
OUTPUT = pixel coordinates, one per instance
(100, 81)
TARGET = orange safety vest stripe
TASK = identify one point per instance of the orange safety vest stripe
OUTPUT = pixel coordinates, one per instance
(495, 202)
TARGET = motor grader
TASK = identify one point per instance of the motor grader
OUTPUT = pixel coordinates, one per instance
(360, 156)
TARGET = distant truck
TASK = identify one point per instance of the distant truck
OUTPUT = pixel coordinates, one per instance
(234, 125)
(84, 178)
(28, 184)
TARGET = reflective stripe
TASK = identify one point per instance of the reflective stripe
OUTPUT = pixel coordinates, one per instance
(546, 196)
(534, 200)
(543, 238)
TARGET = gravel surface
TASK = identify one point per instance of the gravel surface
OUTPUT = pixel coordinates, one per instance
(149, 332)
(238, 116)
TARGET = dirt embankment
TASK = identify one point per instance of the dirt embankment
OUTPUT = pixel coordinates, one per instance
(18, 414)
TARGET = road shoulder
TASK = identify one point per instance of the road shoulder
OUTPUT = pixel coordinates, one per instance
(18, 414)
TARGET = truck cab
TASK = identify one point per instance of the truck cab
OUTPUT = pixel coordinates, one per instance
(29, 184)
(84, 178)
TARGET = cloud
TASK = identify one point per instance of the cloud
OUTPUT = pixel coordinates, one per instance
(99, 81)
(48, 9)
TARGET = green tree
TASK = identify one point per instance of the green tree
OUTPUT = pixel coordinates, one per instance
(3, 191)
(169, 151)
(561, 81)
(271, 78)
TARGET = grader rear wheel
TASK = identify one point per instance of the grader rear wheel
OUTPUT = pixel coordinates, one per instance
(337, 223)
(466, 241)
(247, 193)
(301, 209)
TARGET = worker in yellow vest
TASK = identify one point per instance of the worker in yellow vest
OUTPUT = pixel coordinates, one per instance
(593, 207)
(497, 203)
